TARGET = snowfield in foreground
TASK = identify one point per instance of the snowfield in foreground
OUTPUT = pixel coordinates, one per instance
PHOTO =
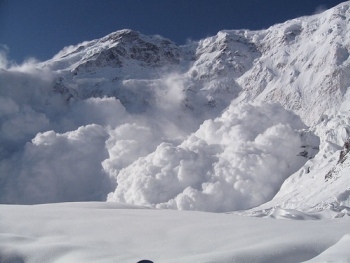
(112, 232)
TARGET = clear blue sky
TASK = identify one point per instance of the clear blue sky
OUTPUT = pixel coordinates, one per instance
(40, 28)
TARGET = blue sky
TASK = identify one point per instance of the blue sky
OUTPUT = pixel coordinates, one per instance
(40, 28)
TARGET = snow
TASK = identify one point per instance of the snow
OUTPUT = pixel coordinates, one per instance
(234, 162)
(323, 182)
(255, 124)
(302, 69)
(48, 163)
(112, 232)
(138, 119)
(335, 253)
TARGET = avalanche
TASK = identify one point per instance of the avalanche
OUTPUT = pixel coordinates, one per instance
(252, 123)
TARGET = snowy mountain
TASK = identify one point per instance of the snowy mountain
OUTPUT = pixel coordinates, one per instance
(240, 120)
(251, 125)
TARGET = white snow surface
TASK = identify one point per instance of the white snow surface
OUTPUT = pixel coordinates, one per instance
(112, 232)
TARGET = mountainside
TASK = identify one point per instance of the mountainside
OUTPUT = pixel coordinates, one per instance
(302, 64)
(222, 124)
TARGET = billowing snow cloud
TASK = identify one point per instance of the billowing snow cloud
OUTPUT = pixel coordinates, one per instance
(57, 167)
(26, 106)
(3, 57)
(54, 150)
(39, 165)
(234, 162)
(103, 111)
(127, 143)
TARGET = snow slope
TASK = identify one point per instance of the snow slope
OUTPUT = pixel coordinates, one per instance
(112, 232)
(304, 64)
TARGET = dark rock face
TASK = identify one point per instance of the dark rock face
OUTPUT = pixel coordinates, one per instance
(344, 152)
(343, 157)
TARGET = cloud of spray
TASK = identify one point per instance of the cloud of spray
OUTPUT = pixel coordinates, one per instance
(37, 164)
(320, 9)
(162, 119)
(53, 150)
(3, 57)
(234, 162)
(27, 107)
(57, 168)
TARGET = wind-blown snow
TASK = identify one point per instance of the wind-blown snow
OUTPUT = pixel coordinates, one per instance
(58, 167)
(66, 150)
(234, 162)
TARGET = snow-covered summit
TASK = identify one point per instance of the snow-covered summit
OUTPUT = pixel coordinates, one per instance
(113, 50)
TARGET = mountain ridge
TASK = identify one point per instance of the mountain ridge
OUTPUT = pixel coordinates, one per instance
(234, 51)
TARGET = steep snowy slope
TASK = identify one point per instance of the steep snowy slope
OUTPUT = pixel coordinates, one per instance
(143, 120)
(304, 65)
(323, 182)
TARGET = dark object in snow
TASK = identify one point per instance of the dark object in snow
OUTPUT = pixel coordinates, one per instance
(303, 154)
(344, 151)
(342, 157)
(145, 261)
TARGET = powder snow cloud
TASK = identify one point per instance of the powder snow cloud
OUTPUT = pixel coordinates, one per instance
(236, 161)
(138, 140)
(54, 150)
